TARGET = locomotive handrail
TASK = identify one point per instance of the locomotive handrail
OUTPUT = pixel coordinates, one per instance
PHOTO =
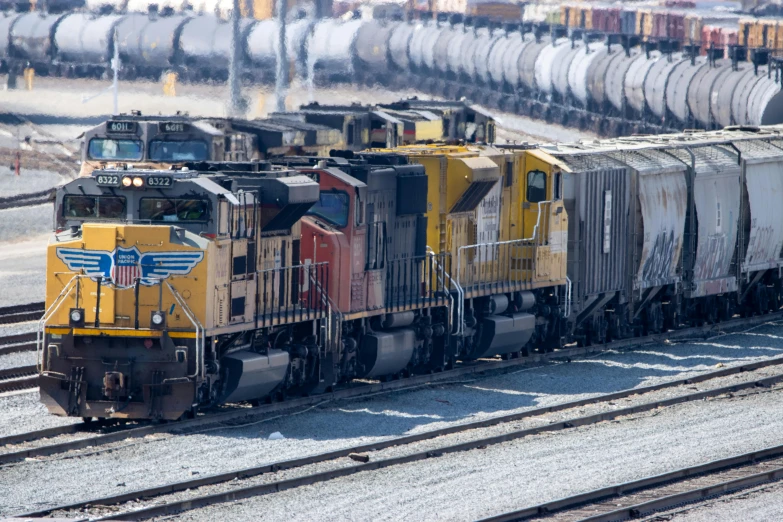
(39, 334)
(199, 330)
(458, 288)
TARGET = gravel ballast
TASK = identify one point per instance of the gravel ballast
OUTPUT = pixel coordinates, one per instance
(509, 476)
(17, 359)
(380, 417)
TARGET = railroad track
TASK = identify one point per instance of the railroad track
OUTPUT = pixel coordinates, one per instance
(17, 343)
(644, 497)
(357, 390)
(107, 508)
(21, 313)
(27, 200)
(19, 378)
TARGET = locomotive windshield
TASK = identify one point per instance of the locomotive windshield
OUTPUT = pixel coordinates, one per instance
(164, 209)
(115, 149)
(333, 207)
(97, 207)
(189, 150)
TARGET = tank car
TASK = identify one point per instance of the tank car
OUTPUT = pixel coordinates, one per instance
(84, 44)
(331, 50)
(204, 47)
(31, 41)
(148, 44)
(262, 42)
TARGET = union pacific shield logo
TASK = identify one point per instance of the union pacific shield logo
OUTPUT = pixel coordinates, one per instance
(126, 268)
(123, 266)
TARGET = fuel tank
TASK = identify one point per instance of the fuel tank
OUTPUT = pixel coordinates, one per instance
(387, 352)
(501, 334)
(250, 375)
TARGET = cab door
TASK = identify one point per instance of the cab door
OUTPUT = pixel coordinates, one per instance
(541, 182)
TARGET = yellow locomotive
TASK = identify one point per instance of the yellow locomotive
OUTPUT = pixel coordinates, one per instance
(155, 279)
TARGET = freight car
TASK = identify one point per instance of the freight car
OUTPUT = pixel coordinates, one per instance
(612, 83)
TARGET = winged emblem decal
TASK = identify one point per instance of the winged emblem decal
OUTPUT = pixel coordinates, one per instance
(124, 265)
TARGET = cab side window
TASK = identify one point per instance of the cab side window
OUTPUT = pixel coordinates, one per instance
(536, 186)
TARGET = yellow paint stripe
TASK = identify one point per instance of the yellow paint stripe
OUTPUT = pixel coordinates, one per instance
(120, 332)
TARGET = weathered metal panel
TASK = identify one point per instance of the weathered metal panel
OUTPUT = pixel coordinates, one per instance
(6, 22)
(485, 45)
(467, 46)
(741, 97)
(662, 194)
(399, 43)
(635, 77)
(596, 74)
(763, 234)
(68, 36)
(221, 48)
(159, 40)
(527, 62)
(597, 191)
(677, 87)
(262, 41)
(723, 94)
(771, 106)
(580, 67)
(562, 66)
(701, 89)
(441, 48)
(615, 79)
(422, 43)
(655, 83)
(454, 52)
(511, 70)
(716, 194)
(129, 36)
(198, 37)
(331, 46)
(31, 35)
(546, 62)
(495, 59)
(372, 44)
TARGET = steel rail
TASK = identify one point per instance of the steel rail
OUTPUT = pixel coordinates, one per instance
(23, 383)
(18, 371)
(21, 313)
(357, 390)
(603, 503)
(249, 491)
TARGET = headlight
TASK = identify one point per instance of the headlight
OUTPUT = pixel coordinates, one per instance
(76, 316)
(127, 181)
(138, 182)
(157, 320)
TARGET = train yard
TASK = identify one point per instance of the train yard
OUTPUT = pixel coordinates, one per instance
(659, 422)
